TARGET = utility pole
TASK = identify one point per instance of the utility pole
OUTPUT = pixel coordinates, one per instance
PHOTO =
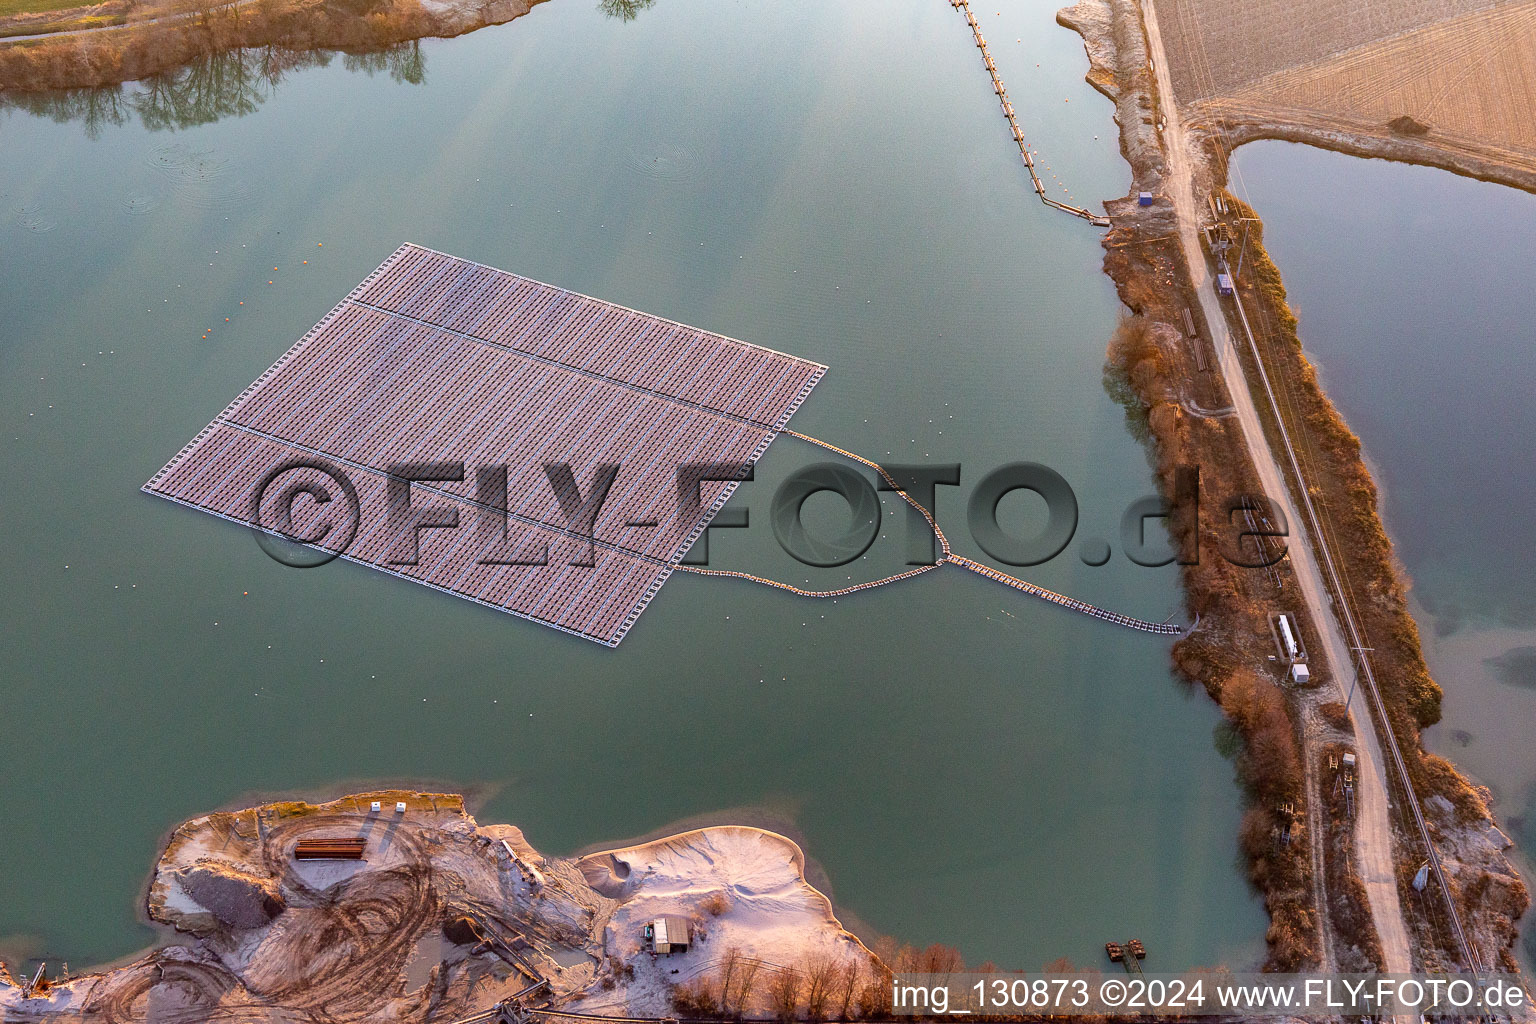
(1243, 249)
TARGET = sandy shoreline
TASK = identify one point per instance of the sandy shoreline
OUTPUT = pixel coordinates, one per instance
(444, 916)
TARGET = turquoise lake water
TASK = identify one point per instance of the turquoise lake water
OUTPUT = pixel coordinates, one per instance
(966, 765)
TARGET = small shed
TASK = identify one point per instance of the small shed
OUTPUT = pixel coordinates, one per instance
(669, 934)
(1300, 673)
(1144, 198)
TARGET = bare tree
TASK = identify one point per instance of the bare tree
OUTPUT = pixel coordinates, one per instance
(697, 998)
(941, 959)
(846, 986)
(784, 994)
(819, 974)
(726, 971)
(746, 981)
(875, 995)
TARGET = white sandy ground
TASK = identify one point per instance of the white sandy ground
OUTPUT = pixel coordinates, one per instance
(772, 913)
(744, 888)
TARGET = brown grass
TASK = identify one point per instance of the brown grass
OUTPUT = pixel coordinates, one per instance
(1249, 41)
(1472, 76)
(1152, 376)
(1335, 714)
(132, 53)
(1356, 945)
(1346, 498)
(1464, 70)
(1217, 48)
(9, 8)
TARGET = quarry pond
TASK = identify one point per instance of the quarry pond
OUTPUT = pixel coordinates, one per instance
(961, 763)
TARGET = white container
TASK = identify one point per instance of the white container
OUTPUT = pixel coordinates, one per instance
(400, 807)
(374, 807)
(1290, 640)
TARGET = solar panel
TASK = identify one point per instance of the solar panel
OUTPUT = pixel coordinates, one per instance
(435, 362)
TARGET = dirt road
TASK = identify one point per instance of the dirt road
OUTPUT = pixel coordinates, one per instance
(1373, 827)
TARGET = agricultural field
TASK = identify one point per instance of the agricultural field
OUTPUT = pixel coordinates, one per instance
(36, 17)
(10, 7)
(1458, 75)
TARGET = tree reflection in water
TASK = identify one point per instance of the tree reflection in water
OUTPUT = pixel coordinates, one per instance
(228, 84)
(624, 10)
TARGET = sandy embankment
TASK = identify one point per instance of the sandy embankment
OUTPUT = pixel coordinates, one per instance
(442, 917)
(744, 887)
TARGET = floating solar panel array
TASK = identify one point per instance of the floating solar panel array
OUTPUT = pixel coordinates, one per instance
(349, 441)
